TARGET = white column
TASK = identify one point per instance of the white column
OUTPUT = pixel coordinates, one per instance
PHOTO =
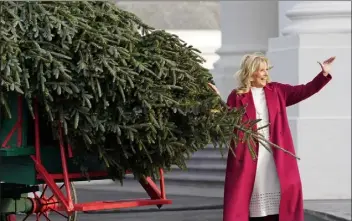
(207, 41)
(321, 126)
(319, 17)
(246, 27)
(284, 21)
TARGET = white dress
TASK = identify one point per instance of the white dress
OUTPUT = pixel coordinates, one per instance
(265, 198)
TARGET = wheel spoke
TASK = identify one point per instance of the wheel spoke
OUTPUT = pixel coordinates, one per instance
(26, 217)
(38, 216)
(51, 203)
(61, 214)
(62, 186)
(36, 195)
(52, 195)
(48, 204)
(44, 186)
(46, 217)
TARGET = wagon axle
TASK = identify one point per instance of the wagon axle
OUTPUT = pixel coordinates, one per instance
(40, 205)
(46, 202)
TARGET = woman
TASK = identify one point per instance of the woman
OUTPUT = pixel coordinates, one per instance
(268, 188)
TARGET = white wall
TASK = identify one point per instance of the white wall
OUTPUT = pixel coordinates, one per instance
(321, 125)
(207, 41)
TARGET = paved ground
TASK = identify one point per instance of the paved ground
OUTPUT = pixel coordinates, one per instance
(205, 215)
(333, 208)
(330, 209)
(184, 208)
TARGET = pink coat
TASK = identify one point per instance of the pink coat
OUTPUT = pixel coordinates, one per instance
(240, 171)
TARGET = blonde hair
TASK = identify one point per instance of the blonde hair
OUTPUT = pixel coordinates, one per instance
(250, 63)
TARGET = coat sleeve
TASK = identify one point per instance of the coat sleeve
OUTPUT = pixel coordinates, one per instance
(231, 100)
(298, 93)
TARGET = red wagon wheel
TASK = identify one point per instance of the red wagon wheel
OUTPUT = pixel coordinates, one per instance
(46, 205)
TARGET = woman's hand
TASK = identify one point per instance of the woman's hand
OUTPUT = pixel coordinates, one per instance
(326, 66)
(215, 89)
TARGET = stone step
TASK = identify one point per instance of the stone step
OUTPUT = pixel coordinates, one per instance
(133, 186)
(200, 169)
(194, 179)
(194, 165)
(206, 161)
(208, 156)
(197, 161)
(180, 184)
(210, 152)
(205, 169)
(191, 179)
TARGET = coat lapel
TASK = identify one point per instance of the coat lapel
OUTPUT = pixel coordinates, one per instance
(272, 103)
(247, 101)
(271, 100)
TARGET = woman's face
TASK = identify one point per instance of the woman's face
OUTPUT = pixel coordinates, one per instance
(259, 78)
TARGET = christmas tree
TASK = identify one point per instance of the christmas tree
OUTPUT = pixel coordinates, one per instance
(136, 97)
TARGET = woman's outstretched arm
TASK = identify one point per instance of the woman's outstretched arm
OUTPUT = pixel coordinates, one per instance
(297, 93)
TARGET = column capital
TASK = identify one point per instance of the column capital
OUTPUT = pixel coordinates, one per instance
(319, 17)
